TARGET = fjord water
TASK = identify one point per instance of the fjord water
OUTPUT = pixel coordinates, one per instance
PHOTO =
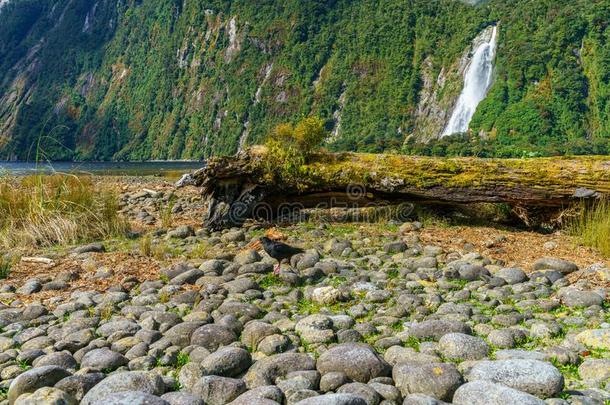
(477, 80)
(154, 168)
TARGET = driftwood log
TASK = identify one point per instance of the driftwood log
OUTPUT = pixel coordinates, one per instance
(244, 186)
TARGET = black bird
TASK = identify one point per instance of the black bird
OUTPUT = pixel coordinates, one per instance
(279, 251)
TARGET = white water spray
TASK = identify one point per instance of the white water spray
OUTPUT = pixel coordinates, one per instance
(477, 80)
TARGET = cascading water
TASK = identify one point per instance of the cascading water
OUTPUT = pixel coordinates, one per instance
(477, 80)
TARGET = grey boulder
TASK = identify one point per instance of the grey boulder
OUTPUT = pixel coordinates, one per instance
(488, 393)
(146, 382)
(31, 380)
(535, 377)
(215, 390)
(458, 346)
(551, 263)
(358, 361)
(227, 362)
(436, 328)
(438, 380)
(181, 398)
(333, 399)
(131, 398)
(267, 370)
(103, 359)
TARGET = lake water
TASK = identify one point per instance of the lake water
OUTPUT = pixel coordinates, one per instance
(171, 169)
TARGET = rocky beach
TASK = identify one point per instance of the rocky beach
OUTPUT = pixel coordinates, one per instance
(394, 312)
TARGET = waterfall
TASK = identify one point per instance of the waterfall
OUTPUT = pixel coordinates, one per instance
(477, 80)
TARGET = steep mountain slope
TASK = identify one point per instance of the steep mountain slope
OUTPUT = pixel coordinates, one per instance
(127, 79)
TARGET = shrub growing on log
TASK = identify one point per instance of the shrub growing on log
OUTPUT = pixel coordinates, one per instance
(290, 147)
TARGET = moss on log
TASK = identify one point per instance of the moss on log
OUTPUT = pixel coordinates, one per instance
(247, 179)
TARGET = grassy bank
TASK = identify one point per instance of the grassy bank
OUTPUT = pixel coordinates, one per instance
(592, 227)
(41, 211)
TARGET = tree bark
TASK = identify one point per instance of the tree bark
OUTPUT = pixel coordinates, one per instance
(235, 187)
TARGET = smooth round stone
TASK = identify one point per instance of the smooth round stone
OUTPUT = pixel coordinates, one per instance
(333, 399)
(458, 346)
(358, 361)
(595, 338)
(535, 377)
(438, 380)
(31, 380)
(130, 398)
(103, 359)
(181, 398)
(142, 381)
(489, 393)
(46, 395)
(227, 362)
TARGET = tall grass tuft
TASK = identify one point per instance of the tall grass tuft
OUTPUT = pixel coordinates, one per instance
(47, 210)
(592, 227)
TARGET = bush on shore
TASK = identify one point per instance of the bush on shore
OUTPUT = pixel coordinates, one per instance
(47, 210)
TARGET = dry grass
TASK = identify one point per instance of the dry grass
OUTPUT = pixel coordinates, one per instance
(41, 211)
(592, 227)
(520, 249)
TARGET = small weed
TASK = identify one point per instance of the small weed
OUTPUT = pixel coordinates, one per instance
(106, 313)
(310, 307)
(526, 342)
(560, 309)
(3, 393)
(459, 284)
(570, 371)
(393, 274)
(6, 263)
(23, 365)
(307, 306)
(182, 359)
(163, 252)
(371, 339)
(412, 342)
(269, 280)
(336, 281)
(450, 360)
(177, 386)
(166, 213)
(136, 290)
(146, 246)
(164, 297)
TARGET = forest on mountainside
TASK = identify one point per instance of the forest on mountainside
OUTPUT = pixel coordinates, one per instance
(170, 79)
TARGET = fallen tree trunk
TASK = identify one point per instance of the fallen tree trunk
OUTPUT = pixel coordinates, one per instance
(237, 187)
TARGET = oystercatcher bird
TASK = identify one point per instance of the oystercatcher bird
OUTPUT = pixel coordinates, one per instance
(279, 251)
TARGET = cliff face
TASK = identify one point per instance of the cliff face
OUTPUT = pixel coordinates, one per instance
(127, 79)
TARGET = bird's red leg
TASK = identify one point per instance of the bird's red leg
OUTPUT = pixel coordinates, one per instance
(276, 269)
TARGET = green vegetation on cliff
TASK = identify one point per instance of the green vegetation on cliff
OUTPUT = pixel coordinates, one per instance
(172, 79)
